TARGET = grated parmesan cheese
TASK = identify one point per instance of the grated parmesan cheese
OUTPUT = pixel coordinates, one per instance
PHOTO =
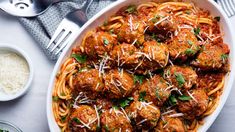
(14, 72)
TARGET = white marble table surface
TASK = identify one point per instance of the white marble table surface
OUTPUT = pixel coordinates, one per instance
(29, 112)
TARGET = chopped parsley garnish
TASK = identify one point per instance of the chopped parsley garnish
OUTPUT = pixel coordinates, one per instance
(211, 98)
(155, 19)
(55, 98)
(188, 12)
(142, 96)
(1, 130)
(154, 36)
(173, 100)
(62, 94)
(80, 58)
(166, 74)
(105, 23)
(111, 31)
(106, 128)
(217, 18)
(180, 79)
(184, 98)
(105, 41)
(131, 9)
(123, 102)
(83, 69)
(190, 42)
(98, 129)
(158, 94)
(196, 31)
(115, 107)
(63, 118)
(126, 102)
(138, 78)
(76, 120)
(189, 52)
(131, 52)
(165, 122)
(224, 56)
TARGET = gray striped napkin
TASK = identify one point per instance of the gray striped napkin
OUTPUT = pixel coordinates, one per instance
(43, 26)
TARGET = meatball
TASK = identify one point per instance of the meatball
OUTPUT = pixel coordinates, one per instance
(157, 22)
(118, 84)
(89, 81)
(156, 89)
(145, 114)
(170, 125)
(212, 57)
(157, 55)
(195, 106)
(125, 55)
(161, 27)
(98, 43)
(114, 120)
(183, 45)
(84, 118)
(132, 31)
(183, 77)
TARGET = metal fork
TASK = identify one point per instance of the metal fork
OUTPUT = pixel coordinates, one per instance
(228, 6)
(68, 28)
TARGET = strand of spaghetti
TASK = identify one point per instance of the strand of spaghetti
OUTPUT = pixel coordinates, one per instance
(55, 110)
(68, 61)
(144, 5)
(114, 26)
(205, 21)
(196, 127)
(71, 74)
(175, 6)
(71, 82)
(63, 93)
(210, 104)
(178, 13)
(60, 92)
(213, 107)
(62, 124)
(120, 18)
(69, 68)
(193, 125)
(189, 20)
(63, 110)
(154, 4)
(58, 120)
(220, 86)
(64, 128)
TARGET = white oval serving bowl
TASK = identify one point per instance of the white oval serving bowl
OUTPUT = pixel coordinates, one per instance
(21, 53)
(99, 18)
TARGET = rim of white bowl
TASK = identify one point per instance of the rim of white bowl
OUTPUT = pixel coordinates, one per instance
(24, 55)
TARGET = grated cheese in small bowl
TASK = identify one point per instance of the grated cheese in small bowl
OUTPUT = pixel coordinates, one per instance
(15, 73)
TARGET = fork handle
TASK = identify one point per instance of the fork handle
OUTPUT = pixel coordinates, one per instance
(78, 16)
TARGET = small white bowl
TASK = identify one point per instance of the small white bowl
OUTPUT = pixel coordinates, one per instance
(21, 53)
(7, 126)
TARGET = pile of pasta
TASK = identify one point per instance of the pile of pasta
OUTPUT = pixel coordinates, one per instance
(153, 67)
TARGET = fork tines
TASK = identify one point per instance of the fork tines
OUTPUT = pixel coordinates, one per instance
(63, 34)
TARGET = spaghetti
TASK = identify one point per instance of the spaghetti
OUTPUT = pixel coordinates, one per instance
(155, 66)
